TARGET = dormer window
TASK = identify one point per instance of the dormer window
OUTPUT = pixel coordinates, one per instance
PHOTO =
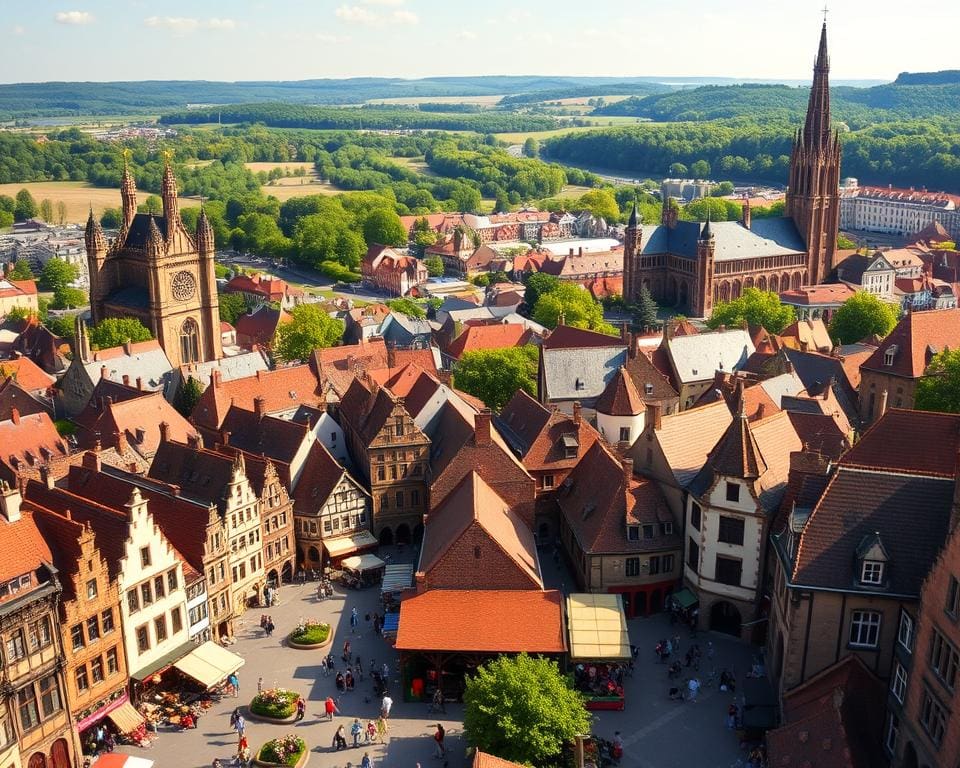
(889, 354)
(633, 532)
(648, 388)
(871, 572)
(872, 561)
(571, 446)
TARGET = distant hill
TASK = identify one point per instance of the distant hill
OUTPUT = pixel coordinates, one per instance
(946, 77)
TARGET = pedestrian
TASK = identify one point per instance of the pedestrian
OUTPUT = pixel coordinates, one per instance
(365, 763)
(359, 669)
(234, 681)
(347, 653)
(355, 730)
(339, 739)
(731, 716)
(233, 717)
(348, 680)
(331, 662)
(243, 757)
(270, 626)
(324, 670)
(330, 707)
(377, 625)
(710, 650)
(693, 688)
(438, 704)
(386, 672)
(371, 731)
(341, 683)
(260, 685)
(242, 744)
(240, 725)
(385, 706)
(676, 643)
(382, 729)
(438, 738)
(301, 709)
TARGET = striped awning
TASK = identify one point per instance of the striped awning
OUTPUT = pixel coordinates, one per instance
(126, 718)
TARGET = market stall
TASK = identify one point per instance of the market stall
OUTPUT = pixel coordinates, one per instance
(599, 647)
(684, 607)
(391, 623)
(209, 664)
(396, 579)
(367, 569)
(357, 542)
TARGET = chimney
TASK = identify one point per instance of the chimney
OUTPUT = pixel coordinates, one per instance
(883, 404)
(571, 252)
(580, 251)
(45, 477)
(627, 464)
(193, 440)
(746, 213)
(656, 415)
(420, 581)
(761, 408)
(446, 378)
(481, 423)
(104, 373)
(140, 383)
(260, 407)
(224, 437)
(126, 379)
(141, 434)
(10, 500)
(15, 415)
(576, 412)
(120, 441)
(164, 431)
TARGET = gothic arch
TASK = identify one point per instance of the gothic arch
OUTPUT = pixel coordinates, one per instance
(762, 283)
(796, 281)
(189, 341)
(658, 289)
(723, 293)
(60, 754)
(736, 290)
(774, 283)
(37, 760)
(747, 282)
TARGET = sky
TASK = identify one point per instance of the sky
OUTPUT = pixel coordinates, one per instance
(301, 39)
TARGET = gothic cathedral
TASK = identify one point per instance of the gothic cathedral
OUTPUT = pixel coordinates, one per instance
(159, 273)
(693, 265)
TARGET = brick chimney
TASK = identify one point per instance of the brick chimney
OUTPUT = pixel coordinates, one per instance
(45, 477)
(126, 379)
(91, 461)
(627, 464)
(193, 440)
(260, 407)
(224, 437)
(482, 427)
(446, 378)
(120, 440)
(164, 431)
(656, 415)
(140, 383)
(15, 415)
(576, 412)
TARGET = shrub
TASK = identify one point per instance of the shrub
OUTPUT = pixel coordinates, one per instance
(310, 633)
(275, 702)
(285, 751)
(336, 271)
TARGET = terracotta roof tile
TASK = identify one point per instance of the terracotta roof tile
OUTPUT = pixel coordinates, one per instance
(480, 337)
(687, 437)
(820, 432)
(260, 326)
(914, 341)
(27, 374)
(138, 418)
(483, 621)
(650, 381)
(483, 760)
(341, 365)
(321, 474)
(620, 398)
(812, 295)
(28, 441)
(23, 548)
(916, 442)
(568, 337)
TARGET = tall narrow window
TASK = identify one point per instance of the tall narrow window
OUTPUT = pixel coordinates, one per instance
(189, 342)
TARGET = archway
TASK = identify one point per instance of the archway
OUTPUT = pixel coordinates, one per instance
(785, 282)
(910, 759)
(747, 283)
(386, 537)
(189, 342)
(724, 617)
(774, 283)
(37, 760)
(736, 290)
(640, 604)
(724, 293)
(60, 754)
(762, 283)
(301, 558)
(272, 578)
(796, 281)
(645, 283)
(313, 555)
(671, 297)
(286, 573)
(683, 297)
(403, 534)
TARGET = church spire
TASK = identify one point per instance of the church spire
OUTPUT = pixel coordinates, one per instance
(128, 193)
(94, 238)
(816, 131)
(168, 191)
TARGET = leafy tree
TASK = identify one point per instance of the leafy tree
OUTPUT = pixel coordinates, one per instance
(645, 310)
(187, 397)
(601, 203)
(700, 169)
(232, 305)
(46, 210)
(495, 375)
(111, 218)
(939, 389)
(114, 331)
(383, 226)
(21, 270)
(531, 147)
(845, 242)
(7, 204)
(26, 206)
(408, 307)
(17, 314)
(678, 169)
(153, 204)
(221, 271)
(523, 709)
(6, 219)
(722, 189)
(311, 328)
(434, 266)
(57, 274)
(501, 203)
(860, 316)
(756, 307)
(68, 298)
(576, 305)
(61, 212)
(538, 284)
(61, 325)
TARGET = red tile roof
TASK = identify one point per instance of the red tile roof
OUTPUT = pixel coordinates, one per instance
(621, 397)
(483, 760)
(341, 365)
(270, 288)
(483, 621)
(138, 419)
(28, 441)
(914, 442)
(27, 374)
(478, 337)
(23, 548)
(321, 474)
(915, 340)
(834, 293)
(260, 327)
(568, 337)
(820, 432)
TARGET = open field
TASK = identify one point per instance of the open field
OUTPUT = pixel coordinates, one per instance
(595, 122)
(284, 189)
(484, 101)
(416, 164)
(269, 166)
(78, 197)
(572, 192)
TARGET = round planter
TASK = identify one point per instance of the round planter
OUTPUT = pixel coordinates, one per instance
(251, 715)
(300, 763)
(325, 645)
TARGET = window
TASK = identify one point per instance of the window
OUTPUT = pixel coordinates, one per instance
(398, 497)
(189, 342)
(888, 355)
(633, 532)
(893, 734)
(93, 628)
(666, 529)
(695, 516)
(654, 565)
(898, 682)
(648, 531)
(112, 666)
(92, 589)
(176, 620)
(96, 670)
(865, 629)
(381, 474)
(172, 581)
(143, 639)
(872, 572)
(27, 704)
(15, 646)
(733, 492)
(693, 554)
(905, 632)
(133, 601)
(729, 570)
(76, 636)
(39, 634)
(953, 597)
(399, 428)
(548, 481)
(414, 498)
(146, 594)
(731, 530)
(624, 434)
(933, 717)
(943, 659)
(667, 563)
(145, 557)
(158, 589)
(50, 696)
(633, 566)
(81, 678)
(477, 553)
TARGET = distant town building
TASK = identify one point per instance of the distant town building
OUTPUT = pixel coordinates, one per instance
(685, 189)
(896, 211)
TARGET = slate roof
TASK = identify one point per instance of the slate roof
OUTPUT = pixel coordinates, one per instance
(201, 475)
(579, 373)
(277, 438)
(131, 296)
(146, 360)
(139, 231)
(766, 237)
(483, 621)
(403, 331)
(228, 368)
(915, 340)
(695, 358)
(620, 398)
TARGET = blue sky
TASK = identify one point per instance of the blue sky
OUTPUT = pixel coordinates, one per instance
(299, 39)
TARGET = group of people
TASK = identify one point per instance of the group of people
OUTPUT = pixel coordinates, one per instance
(99, 739)
(266, 624)
(270, 595)
(600, 679)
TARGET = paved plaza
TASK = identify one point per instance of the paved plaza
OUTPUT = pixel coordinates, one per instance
(658, 733)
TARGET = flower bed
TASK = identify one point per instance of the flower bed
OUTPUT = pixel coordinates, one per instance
(288, 750)
(275, 703)
(309, 634)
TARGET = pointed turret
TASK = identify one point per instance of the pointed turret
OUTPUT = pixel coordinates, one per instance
(128, 194)
(204, 238)
(736, 453)
(168, 192)
(621, 397)
(154, 239)
(633, 223)
(706, 233)
(96, 241)
(817, 127)
(81, 340)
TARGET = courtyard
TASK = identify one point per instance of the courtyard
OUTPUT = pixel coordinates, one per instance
(657, 732)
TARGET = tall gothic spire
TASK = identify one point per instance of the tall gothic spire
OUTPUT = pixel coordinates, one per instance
(816, 131)
(128, 194)
(168, 192)
(96, 241)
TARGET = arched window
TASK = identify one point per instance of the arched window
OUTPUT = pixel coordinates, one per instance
(189, 342)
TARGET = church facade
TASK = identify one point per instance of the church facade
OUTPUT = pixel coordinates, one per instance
(158, 272)
(694, 265)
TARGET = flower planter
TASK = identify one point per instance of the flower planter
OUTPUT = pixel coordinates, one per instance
(273, 693)
(311, 646)
(300, 762)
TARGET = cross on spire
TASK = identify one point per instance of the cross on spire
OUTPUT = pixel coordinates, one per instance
(826, 10)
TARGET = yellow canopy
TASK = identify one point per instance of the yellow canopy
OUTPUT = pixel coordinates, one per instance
(126, 718)
(344, 545)
(209, 663)
(598, 628)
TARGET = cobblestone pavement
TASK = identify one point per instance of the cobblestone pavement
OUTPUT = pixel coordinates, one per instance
(658, 733)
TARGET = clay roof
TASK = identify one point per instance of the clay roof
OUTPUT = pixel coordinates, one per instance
(915, 442)
(933, 233)
(27, 374)
(478, 337)
(30, 440)
(341, 365)
(271, 288)
(424, 358)
(568, 337)
(483, 760)
(833, 293)
(282, 389)
(139, 419)
(820, 432)
(12, 395)
(23, 548)
(321, 474)
(483, 621)
(260, 326)
(807, 334)
(914, 341)
(734, 389)
(474, 504)
(651, 383)
(62, 535)
(620, 398)
(598, 503)
(687, 437)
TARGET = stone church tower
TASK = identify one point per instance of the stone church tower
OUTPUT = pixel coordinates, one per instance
(813, 191)
(159, 273)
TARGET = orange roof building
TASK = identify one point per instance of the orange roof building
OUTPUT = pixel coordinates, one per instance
(481, 337)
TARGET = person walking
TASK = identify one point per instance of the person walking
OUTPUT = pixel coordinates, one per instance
(382, 729)
(270, 626)
(371, 733)
(347, 653)
(324, 670)
(365, 763)
(386, 671)
(330, 707)
(234, 681)
(240, 725)
(440, 750)
(355, 730)
(438, 704)
(359, 668)
(339, 739)
(693, 688)
(385, 706)
(301, 709)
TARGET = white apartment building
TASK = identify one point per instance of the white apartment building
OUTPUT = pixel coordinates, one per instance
(896, 211)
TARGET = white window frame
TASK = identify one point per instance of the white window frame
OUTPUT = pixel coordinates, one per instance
(898, 682)
(862, 622)
(893, 734)
(871, 572)
(905, 631)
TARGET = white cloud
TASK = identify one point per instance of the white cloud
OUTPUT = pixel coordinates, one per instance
(405, 17)
(355, 14)
(19, 31)
(76, 18)
(184, 24)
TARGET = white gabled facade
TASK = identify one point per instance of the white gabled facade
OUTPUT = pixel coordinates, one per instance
(241, 507)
